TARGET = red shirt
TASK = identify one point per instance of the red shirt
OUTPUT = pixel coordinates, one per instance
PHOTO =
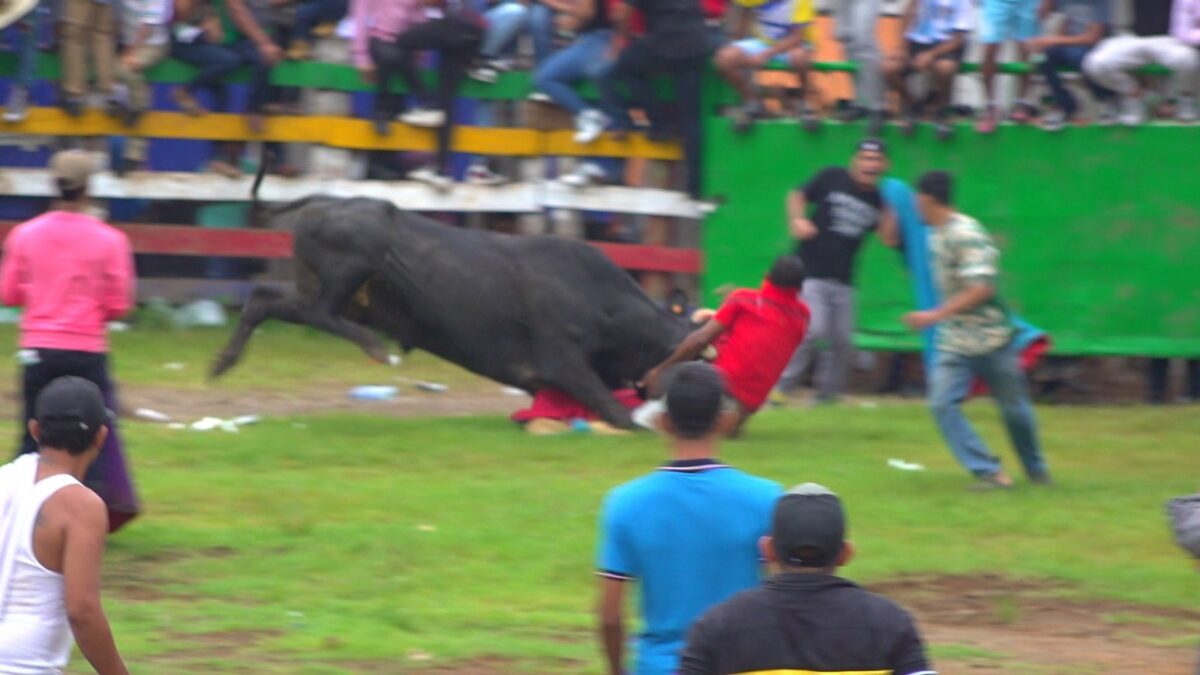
(713, 9)
(763, 328)
(71, 273)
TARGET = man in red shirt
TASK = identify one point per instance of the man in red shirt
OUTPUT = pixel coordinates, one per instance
(72, 274)
(755, 333)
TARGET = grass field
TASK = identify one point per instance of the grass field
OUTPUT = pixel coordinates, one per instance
(365, 542)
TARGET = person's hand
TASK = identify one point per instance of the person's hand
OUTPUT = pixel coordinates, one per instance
(367, 73)
(270, 53)
(651, 382)
(213, 32)
(130, 62)
(803, 228)
(703, 314)
(918, 321)
(922, 61)
(1037, 44)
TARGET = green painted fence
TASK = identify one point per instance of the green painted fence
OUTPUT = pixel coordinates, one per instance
(1099, 227)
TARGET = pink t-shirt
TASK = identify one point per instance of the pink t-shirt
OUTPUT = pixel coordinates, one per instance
(72, 273)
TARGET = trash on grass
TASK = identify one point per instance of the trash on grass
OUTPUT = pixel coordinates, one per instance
(905, 466)
(514, 391)
(435, 387)
(373, 392)
(152, 415)
(427, 528)
(176, 425)
(231, 425)
(117, 326)
(173, 365)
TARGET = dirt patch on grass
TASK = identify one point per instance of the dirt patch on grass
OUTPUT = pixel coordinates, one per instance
(990, 624)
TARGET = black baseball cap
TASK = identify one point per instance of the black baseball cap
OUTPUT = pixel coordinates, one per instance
(809, 527)
(872, 145)
(71, 403)
(695, 391)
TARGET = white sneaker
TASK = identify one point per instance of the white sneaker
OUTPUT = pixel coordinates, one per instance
(485, 73)
(17, 107)
(585, 175)
(479, 174)
(424, 117)
(589, 124)
(1185, 109)
(1133, 112)
(432, 178)
(1108, 115)
(648, 414)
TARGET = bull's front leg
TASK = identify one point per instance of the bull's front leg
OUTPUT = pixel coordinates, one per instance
(564, 367)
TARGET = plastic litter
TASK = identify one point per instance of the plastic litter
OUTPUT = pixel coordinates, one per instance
(395, 360)
(427, 528)
(117, 326)
(174, 365)
(202, 313)
(176, 425)
(905, 466)
(513, 391)
(152, 415)
(230, 425)
(435, 387)
(243, 420)
(869, 405)
(374, 392)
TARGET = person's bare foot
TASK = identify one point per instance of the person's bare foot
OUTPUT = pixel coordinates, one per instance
(991, 482)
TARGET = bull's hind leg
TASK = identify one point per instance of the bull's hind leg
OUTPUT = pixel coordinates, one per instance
(564, 368)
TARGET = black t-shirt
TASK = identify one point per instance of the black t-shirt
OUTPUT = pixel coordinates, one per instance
(674, 28)
(1152, 17)
(845, 213)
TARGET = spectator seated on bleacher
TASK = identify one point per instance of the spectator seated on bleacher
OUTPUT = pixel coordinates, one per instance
(1005, 21)
(145, 41)
(314, 18)
(782, 35)
(29, 16)
(1085, 23)
(1166, 33)
(935, 33)
(88, 41)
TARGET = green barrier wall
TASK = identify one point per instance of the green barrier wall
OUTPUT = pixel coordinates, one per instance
(1099, 228)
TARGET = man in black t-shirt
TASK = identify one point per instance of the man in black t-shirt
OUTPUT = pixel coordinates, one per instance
(1154, 41)
(846, 206)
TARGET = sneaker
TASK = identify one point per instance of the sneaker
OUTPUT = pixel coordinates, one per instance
(1054, 121)
(478, 173)
(488, 72)
(809, 119)
(1185, 109)
(539, 97)
(744, 116)
(432, 178)
(1133, 112)
(1108, 115)
(17, 107)
(991, 483)
(1022, 112)
(424, 117)
(942, 128)
(585, 175)
(72, 106)
(589, 124)
(875, 123)
(186, 102)
(987, 123)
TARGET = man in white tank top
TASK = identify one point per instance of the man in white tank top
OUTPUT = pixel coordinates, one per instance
(52, 532)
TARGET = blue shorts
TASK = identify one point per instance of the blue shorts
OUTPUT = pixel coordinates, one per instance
(1004, 20)
(756, 46)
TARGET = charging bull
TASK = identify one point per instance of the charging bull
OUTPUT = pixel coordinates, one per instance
(527, 311)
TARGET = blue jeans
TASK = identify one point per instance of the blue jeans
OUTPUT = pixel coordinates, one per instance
(313, 12)
(586, 58)
(1070, 57)
(505, 22)
(214, 61)
(541, 29)
(951, 381)
(28, 32)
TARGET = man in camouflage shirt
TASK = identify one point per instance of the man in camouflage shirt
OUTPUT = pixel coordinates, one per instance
(974, 339)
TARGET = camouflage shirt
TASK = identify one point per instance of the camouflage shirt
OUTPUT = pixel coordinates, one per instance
(963, 256)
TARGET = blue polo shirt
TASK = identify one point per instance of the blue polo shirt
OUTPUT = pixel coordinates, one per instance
(688, 533)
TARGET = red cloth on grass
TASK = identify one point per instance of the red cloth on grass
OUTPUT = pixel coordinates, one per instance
(558, 405)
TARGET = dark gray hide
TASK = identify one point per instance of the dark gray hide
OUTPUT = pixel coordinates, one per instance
(527, 311)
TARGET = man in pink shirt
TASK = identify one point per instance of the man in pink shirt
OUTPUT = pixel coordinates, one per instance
(72, 274)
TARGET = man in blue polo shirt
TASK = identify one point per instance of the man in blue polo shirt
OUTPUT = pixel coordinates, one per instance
(686, 533)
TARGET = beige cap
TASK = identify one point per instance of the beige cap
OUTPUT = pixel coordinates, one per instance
(72, 168)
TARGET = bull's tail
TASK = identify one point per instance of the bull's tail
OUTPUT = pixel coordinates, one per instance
(260, 213)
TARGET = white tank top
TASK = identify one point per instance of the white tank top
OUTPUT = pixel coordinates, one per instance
(35, 637)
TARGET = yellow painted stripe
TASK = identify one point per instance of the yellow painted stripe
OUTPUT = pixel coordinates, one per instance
(339, 132)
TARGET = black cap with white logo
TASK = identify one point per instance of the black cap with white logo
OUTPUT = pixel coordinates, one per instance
(70, 403)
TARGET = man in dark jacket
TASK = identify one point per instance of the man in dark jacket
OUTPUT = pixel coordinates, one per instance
(806, 619)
